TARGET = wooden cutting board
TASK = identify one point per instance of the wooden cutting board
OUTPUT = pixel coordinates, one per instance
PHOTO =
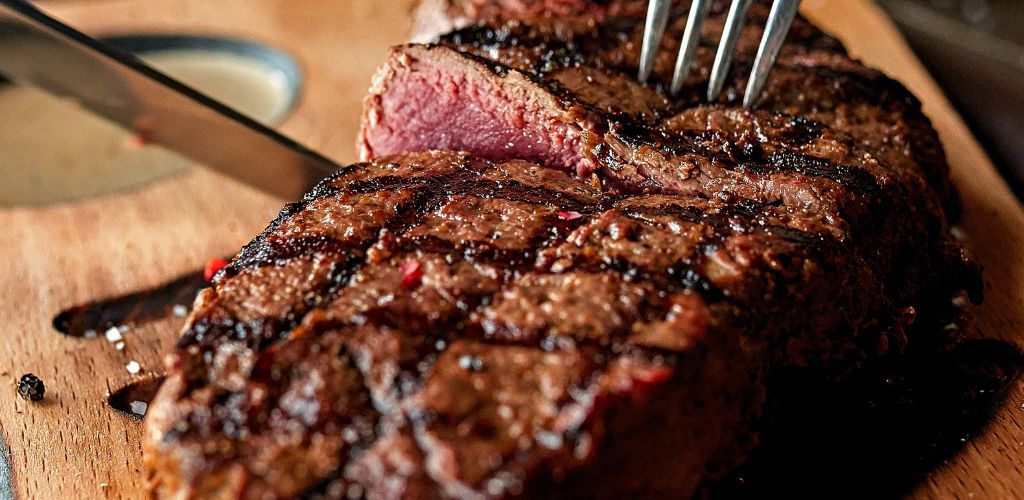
(73, 446)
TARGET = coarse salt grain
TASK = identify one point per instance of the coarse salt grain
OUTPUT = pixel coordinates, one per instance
(139, 407)
(179, 310)
(354, 491)
(89, 334)
(113, 335)
(119, 346)
(133, 367)
(548, 439)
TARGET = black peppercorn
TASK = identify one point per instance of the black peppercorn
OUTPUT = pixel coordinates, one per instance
(30, 387)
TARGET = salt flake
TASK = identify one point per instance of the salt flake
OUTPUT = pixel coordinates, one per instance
(113, 335)
(139, 407)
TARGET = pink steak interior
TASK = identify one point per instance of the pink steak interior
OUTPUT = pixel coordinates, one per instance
(435, 98)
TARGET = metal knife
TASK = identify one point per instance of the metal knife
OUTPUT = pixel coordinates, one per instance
(45, 52)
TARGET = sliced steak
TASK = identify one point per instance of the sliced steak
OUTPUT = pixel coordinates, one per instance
(559, 91)
(607, 273)
(437, 325)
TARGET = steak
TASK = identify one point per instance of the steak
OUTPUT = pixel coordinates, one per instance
(829, 136)
(563, 92)
(547, 280)
(435, 324)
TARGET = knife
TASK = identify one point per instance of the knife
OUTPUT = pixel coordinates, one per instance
(47, 53)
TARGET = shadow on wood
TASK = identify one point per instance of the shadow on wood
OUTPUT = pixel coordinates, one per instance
(880, 432)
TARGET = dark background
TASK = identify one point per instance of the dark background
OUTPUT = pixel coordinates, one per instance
(975, 49)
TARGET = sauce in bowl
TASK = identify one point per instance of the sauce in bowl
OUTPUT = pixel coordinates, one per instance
(54, 151)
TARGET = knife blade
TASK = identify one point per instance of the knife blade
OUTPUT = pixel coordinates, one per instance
(49, 54)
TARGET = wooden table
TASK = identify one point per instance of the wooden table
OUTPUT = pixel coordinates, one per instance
(73, 446)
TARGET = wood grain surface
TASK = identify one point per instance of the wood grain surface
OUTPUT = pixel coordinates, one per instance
(73, 446)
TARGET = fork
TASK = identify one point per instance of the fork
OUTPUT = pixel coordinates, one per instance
(779, 21)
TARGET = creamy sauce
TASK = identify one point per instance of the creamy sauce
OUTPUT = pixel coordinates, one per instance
(248, 85)
(53, 151)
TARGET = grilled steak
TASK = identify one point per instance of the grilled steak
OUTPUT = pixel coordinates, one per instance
(607, 274)
(438, 325)
(562, 92)
(831, 137)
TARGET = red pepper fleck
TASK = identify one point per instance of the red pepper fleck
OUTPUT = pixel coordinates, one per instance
(412, 275)
(135, 141)
(569, 215)
(652, 375)
(213, 266)
(142, 133)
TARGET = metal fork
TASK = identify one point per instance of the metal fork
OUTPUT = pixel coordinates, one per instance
(779, 21)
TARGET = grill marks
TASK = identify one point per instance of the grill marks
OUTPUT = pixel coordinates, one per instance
(748, 153)
(544, 250)
(404, 236)
(502, 266)
(738, 217)
(854, 178)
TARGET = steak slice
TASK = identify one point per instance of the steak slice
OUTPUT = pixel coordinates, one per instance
(439, 325)
(559, 90)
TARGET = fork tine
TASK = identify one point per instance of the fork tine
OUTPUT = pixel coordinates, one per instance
(779, 21)
(730, 36)
(691, 37)
(654, 30)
